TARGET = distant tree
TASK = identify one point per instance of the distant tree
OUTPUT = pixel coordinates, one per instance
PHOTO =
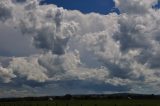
(68, 96)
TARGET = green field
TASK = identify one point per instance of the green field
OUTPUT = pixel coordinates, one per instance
(85, 103)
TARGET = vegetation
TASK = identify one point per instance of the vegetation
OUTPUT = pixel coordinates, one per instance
(84, 103)
(85, 100)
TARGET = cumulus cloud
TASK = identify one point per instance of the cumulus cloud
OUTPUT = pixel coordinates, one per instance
(135, 6)
(6, 75)
(5, 9)
(113, 52)
(12, 43)
(28, 68)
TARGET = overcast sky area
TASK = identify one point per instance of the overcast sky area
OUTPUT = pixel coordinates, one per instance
(57, 47)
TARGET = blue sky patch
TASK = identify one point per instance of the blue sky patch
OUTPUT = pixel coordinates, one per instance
(88, 6)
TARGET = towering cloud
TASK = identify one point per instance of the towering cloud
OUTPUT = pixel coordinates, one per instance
(135, 6)
(112, 53)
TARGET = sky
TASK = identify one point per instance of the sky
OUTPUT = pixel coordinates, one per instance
(88, 6)
(56, 47)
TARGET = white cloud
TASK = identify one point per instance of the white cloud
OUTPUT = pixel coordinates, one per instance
(6, 74)
(135, 6)
(121, 51)
(28, 68)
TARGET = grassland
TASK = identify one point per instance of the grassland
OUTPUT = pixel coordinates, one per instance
(85, 103)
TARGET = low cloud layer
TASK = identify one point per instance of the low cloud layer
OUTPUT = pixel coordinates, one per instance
(71, 52)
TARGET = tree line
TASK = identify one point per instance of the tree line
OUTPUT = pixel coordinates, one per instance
(83, 97)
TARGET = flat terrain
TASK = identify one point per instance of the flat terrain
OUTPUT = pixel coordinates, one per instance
(85, 103)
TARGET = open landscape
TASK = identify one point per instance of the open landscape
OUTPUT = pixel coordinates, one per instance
(85, 100)
(85, 103)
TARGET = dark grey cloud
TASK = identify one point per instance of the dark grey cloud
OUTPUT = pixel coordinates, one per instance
(5, 10)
